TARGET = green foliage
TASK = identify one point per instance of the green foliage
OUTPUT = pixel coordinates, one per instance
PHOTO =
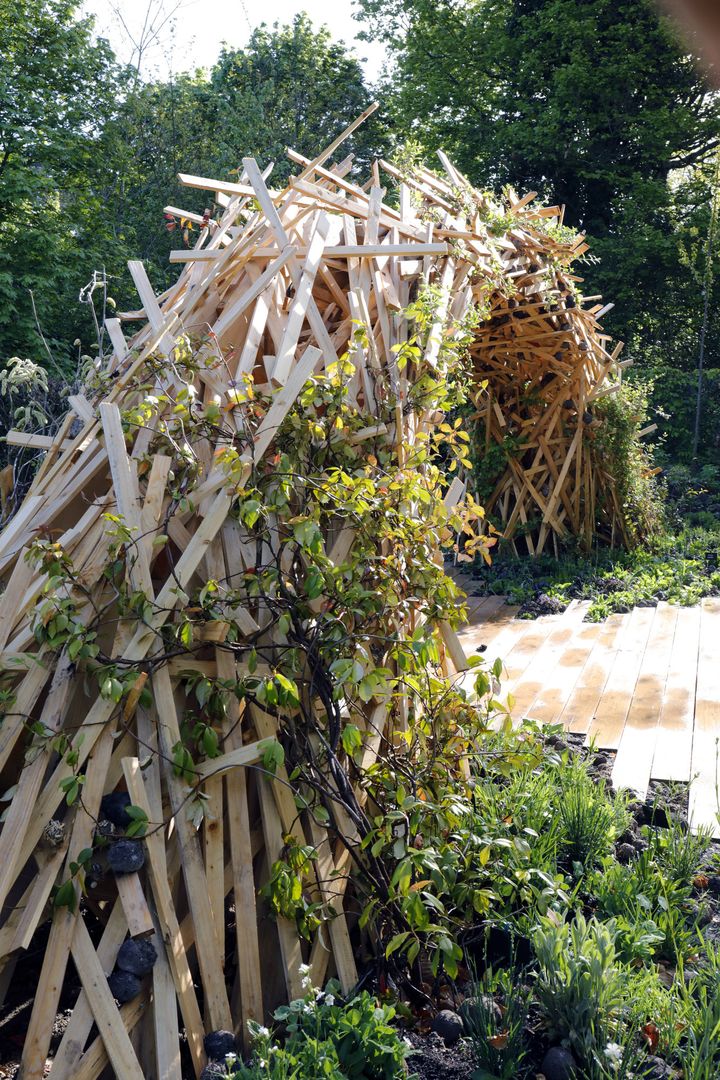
(597, 106)
(459, 852)
(651, 907)
(327, 1037)
(591, 104)
(495, 1018)
(701, 1052)
(680, 566)
(58, 87)
(590, 818)
(620, 450)
(89, 155)
(285, 890)
(579, 985)
(678, 851)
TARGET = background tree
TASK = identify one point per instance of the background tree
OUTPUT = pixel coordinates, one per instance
(290, 86)
(57, 90)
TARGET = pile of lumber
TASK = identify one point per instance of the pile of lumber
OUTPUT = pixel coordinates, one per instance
(546, 361)
(274, 291)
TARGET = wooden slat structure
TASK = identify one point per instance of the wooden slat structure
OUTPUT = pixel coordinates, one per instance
(278, 286)
(644, 684)
(546, 361)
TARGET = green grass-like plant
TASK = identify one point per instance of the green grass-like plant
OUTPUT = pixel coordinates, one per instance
(590, 818)
(495, 1016)
(679, 566)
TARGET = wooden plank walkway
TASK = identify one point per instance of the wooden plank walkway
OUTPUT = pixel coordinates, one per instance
(645, 684)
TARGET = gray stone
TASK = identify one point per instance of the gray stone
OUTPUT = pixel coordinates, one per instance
(558, 1064)
(475, 1009)
(448, 1025)
(656, 1069)
(124, 986)
(625, 853)
(125, 856)
(137, 956)
(714, 884)
(113, 807)
(218, 1044)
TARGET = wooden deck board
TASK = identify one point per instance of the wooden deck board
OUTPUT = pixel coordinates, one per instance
(636, 747)
(560, 682)
(580, 709)
(526, 689)
(520, 656)
(608, 722)
(673, 746)
(645, 683)
(704, 762)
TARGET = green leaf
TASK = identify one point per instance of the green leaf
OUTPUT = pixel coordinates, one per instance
(66, 896)
(272, 755)
(396, 942)
(351, 739)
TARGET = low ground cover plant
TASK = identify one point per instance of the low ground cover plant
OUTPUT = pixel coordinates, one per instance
(680, 567)
(327, 1037)
(601, 949)
(507, 901)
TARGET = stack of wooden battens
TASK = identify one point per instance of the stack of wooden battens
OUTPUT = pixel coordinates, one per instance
(546, 362)
(275, 287)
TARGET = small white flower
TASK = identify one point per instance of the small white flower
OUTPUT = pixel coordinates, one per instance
(329, 999)
(304, 969)
(614, 1053)
(263, 1032)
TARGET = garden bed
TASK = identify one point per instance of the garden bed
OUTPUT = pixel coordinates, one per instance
(681, 568)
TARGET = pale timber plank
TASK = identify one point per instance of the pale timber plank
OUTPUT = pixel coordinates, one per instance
(608, 722)
(673, 747)
(114, 1034)
(587, 691)
(703, 806)
(565, 627)
(637, 742)
(518, 659)
(558, 686)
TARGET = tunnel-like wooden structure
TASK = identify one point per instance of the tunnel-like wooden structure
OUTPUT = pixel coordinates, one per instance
(277, 288)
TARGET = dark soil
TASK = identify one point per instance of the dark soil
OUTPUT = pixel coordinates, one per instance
(435, 1061)
(541, 604)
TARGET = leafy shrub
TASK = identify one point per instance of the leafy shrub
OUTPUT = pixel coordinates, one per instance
(579, 987)
(621, 451)
(328, 1038)
(652, 911)
(461, 851)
